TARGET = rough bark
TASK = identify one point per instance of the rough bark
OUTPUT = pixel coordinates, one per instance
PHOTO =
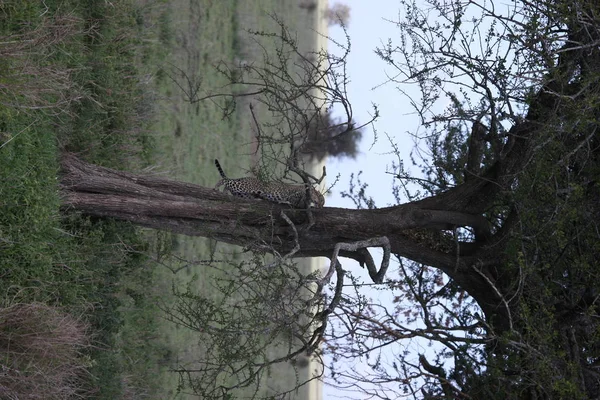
(198, 211)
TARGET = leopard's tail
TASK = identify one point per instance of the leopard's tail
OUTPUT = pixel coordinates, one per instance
(220, 169)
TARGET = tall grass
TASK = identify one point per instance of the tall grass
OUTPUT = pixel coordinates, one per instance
(84, 76)
(43, 353)
(69, 80)
(31, 80)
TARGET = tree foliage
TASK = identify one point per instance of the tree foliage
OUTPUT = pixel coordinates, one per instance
(496, 293)
(329, 136)
(338, 14)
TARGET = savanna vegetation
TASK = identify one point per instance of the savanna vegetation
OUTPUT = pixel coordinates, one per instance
(99, 79)
(69, 81)
(495, 251)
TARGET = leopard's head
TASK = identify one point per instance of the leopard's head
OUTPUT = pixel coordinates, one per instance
(316, 199)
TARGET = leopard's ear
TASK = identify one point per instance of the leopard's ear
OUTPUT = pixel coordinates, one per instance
(320, 200)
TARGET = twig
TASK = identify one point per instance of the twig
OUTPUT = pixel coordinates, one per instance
(510, 323)
(18, 133)
(297, 244)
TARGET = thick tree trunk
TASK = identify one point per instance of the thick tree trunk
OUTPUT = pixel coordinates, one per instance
(414, 231)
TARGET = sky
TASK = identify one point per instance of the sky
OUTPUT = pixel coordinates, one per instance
(368, 28)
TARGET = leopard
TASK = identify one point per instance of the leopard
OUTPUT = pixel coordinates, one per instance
(280, 193)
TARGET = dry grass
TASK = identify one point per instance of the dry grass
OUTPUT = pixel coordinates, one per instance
(31, 81)
(41, 349)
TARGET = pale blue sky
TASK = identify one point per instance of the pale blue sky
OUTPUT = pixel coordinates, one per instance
(367, 29)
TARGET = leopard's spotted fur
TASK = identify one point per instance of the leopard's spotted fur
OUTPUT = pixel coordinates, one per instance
(252, 188)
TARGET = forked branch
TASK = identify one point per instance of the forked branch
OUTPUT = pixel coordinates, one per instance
(361, 248)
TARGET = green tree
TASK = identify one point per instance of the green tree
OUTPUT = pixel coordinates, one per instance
(496, 251)
(329, 136)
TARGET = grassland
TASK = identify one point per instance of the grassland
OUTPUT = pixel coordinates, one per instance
(69, 82)
(190, 136)
(100, 79)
